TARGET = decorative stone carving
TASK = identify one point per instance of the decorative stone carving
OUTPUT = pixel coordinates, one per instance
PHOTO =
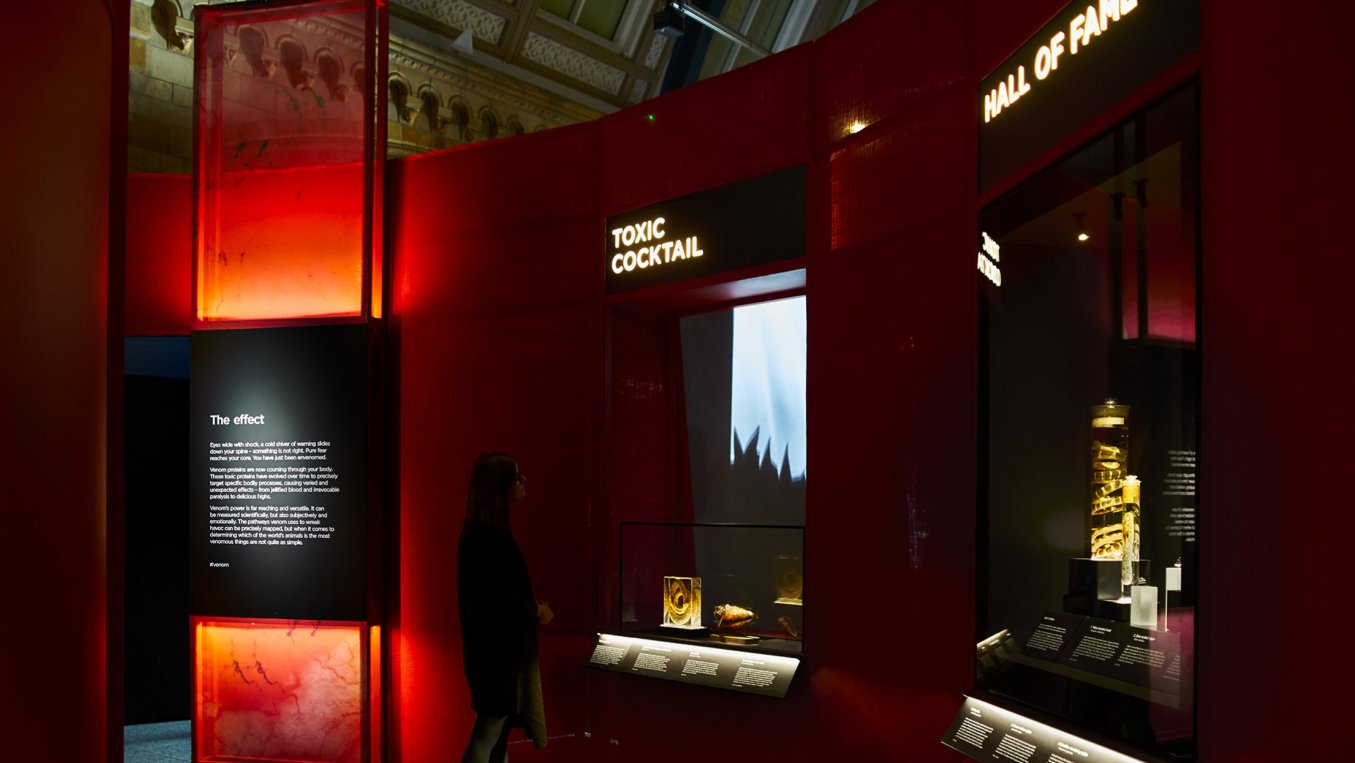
(637, 90)
(462, 15)
(573, 63)
(655, 52)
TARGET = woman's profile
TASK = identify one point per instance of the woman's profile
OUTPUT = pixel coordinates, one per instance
(499, 614)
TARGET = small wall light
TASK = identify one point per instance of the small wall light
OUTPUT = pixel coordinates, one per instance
(1081, 227)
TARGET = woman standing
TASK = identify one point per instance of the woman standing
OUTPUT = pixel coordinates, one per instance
(499, 614)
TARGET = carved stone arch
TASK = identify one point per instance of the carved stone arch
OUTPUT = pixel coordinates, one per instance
(430, 103)
(489, 122)
(253, 43)
(398, 105)
(165, 15)
(514, 126)
(292, 55)
(459, 114)
(330, 68)
(359, 73)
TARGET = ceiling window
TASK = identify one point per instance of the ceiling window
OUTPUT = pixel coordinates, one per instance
(601, 17)
(773, 25)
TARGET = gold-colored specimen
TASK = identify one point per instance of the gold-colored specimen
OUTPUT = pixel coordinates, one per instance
(790, 583)
(681, 602)
(1130, 519)
(1109, 467)
(733, 616)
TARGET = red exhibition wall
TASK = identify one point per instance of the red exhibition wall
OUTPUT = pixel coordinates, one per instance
(500, 336)
(60, 419)
(159, 255)
(503, 334)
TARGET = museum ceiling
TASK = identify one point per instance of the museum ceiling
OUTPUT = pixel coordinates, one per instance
(468, 70)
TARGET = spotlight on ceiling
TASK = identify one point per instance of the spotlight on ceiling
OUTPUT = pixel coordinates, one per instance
(668, 21)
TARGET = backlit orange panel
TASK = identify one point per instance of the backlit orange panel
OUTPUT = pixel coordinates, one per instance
(288, 243)
(278, 691)
(289, 157)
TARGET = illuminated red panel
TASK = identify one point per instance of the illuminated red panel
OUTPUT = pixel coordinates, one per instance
(289, 245)
(276, 690)
(159, 242)
(287, 166)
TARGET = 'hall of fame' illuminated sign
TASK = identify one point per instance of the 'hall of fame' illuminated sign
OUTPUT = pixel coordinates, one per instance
(1090, 56)
(1084, 28)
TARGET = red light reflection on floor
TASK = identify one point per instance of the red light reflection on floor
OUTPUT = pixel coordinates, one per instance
(278, 691)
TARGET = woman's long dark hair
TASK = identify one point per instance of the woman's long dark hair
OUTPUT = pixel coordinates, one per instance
(491, 477)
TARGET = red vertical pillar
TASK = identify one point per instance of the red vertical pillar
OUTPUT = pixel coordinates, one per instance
(1277, 381)
(56, 413)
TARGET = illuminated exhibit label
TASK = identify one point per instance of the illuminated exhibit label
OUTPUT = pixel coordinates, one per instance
(1087, 58)
(278, 501)
(714, 667)
(983, 731)
(1136, 661)
(254, 489)
(1178, 492)
(748, 223)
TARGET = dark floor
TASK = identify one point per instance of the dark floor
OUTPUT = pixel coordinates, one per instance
(157, 743)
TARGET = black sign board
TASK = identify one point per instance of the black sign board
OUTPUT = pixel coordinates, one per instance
(1091, 55)
(982, 731)
(1141, 657)
(1125, 653)
(278, 485)
(1050, 637)
(715, 667)
(735, 226)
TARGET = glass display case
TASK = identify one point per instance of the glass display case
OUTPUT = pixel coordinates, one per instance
(1088, 439)
(714, 584)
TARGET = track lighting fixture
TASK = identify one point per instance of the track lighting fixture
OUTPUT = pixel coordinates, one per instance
(668, 21)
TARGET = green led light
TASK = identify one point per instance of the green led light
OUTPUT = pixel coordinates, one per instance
(650, 118)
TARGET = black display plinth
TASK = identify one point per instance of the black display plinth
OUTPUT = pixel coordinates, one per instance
(675, 631)
(1094, 587)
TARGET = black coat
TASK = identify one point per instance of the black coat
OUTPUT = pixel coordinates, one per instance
(498, 616)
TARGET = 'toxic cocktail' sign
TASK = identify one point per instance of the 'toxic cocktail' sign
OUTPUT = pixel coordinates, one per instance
(735, 226)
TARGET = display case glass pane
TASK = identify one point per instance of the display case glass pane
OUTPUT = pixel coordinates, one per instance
(1089, 411)
(279, 690)
(739, 585)
(744, 372)
(285, 160)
